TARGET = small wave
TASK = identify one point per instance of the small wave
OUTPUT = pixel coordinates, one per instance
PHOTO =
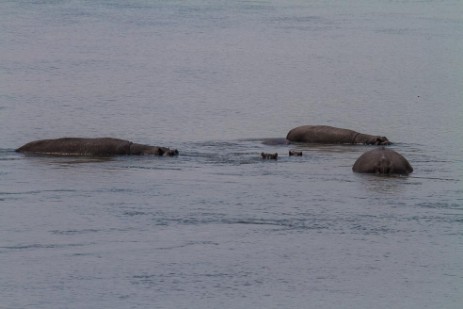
(73, 232)
(36, 192)
(8, 155)
(353, 225)
(134, 213)
(41, 246)
(434, 178)
(293, 223)
(440, 205)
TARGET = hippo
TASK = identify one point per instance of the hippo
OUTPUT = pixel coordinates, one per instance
(104, 147)
(295, 153)
(269, 156)
(333, 135)
(382, 161)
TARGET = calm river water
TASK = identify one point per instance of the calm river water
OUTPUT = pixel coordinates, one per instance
(217, 227)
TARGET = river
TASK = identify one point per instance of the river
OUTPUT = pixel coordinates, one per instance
(217, 226)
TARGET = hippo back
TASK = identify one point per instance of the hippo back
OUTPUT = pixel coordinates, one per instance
(321, 134)
(382, 161)
(73, 146)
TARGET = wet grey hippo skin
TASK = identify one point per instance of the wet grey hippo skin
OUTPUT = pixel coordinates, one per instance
(295, 153)
(382, 161)
(269, 156)
(332, 135)
(73, 146)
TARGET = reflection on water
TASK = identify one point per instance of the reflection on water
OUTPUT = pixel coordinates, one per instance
(384, 184)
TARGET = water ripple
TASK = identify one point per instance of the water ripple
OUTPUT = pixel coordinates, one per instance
(42, 246)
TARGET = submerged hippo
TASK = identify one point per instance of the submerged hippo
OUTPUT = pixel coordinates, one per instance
(295, 153)
(73, 146)
(269, 156)
(382, 161)
(333, 135)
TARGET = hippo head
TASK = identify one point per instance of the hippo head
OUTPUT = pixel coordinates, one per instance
(170, 153)
(140, 149)
(295, 153)
(382, 140)
(269, 156)
(367, 139)
(161, 151)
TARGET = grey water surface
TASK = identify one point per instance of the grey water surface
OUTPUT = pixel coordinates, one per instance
(217, 227)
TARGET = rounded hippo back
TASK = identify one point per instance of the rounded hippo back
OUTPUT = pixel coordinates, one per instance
(332, 135)
(74, 146)
(106, 146)
(382, 161)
